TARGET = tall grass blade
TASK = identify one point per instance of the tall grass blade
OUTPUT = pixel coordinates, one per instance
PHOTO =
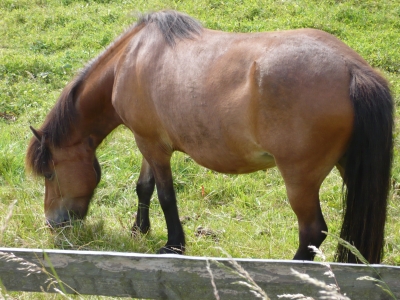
(380, 283)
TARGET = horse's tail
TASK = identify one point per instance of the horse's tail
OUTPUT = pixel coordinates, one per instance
(367, 168)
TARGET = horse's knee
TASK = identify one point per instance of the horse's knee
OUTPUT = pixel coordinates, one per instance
(145, 188)
(166, 198)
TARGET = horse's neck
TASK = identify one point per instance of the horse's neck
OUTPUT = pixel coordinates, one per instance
(97, 117)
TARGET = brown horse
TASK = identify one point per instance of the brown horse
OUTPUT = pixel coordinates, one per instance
(236, 103)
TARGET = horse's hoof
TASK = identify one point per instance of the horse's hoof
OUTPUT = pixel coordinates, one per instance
(171, 250)
(136, 230)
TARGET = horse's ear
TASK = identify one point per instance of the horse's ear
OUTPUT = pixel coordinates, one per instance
(36, 133)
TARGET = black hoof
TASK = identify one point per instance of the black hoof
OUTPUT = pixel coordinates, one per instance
(140, 229)
(172, 250)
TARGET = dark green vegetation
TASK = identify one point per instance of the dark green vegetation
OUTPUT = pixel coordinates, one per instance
(44, 43)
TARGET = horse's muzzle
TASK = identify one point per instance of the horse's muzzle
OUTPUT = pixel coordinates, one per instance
(61, 219)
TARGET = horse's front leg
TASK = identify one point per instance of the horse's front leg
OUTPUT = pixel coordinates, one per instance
(144, 190)
(166, 196)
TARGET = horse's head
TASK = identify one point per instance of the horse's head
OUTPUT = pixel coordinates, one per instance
(71, 174)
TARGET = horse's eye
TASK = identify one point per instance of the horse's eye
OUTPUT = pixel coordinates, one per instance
(48, 176)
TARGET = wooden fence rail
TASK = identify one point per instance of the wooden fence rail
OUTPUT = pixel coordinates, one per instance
(180, 277)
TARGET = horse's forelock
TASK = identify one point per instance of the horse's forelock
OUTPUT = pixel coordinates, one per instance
(38, 156)
(56, 129)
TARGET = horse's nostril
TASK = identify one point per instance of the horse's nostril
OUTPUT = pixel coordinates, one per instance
(61, 220)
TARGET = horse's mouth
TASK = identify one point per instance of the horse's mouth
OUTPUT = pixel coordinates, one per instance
(53, 225)
(63, 220)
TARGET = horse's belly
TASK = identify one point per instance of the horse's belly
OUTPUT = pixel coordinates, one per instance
(234, 164)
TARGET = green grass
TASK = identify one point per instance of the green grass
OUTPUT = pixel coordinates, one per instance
(44, 43)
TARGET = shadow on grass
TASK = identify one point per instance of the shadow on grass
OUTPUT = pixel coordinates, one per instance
(96, 236)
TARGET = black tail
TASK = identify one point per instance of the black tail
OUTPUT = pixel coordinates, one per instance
(368, 164)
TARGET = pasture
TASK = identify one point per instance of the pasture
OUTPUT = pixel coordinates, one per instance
(45, 43)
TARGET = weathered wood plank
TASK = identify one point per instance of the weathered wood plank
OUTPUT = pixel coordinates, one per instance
(183, 277)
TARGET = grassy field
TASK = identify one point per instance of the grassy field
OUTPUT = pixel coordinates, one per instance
(44, 43)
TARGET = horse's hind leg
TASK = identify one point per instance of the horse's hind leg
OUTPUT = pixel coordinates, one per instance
(302, 185)
(144, 190)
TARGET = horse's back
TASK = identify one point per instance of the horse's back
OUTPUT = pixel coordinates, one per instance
(235, 101)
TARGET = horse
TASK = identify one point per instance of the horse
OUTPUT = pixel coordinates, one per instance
(300, 100)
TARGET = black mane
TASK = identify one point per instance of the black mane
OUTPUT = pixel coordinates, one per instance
(173, 25)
